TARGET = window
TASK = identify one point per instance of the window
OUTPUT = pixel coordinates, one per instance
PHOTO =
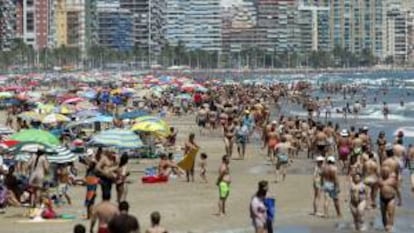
(29, 22)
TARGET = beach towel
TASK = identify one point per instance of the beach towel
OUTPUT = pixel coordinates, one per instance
(188, 161)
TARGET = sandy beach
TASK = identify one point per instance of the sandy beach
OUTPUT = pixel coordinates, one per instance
(191, 207)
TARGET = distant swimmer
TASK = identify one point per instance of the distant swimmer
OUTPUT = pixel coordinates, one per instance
(385, 110)
(356, 109)
(401, 101)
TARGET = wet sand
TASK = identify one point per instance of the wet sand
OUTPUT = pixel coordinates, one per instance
(191, 207)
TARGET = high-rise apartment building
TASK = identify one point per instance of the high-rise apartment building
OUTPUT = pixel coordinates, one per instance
(7, 24)
(357, 25)
(35, 23)
(396, 44)
(148, 24)
(114, 27)
(196, 23)
(313, 23)
(279, 19)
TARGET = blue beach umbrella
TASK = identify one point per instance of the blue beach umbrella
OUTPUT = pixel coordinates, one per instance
(119, 138)
(133, 114)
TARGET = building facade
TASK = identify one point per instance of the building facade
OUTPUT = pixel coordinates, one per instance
(313, 23)
(148, 25)
(356, 25)
(115, 27)
(396, 36)
(195, 23)
(279, 19)
(7, 24)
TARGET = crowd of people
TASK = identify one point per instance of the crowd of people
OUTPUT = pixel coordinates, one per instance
(242, 115)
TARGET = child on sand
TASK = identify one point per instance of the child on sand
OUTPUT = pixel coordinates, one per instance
(203, 167)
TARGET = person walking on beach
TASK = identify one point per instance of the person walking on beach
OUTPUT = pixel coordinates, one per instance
(103, 212)
(358, 200)
(229, 133)
(388, 194)
(411, 165)
(330, 185)
(189, 146)
(121, 176)
(317, 184)
(242, 134)
(371, 176)
(106, 169)
(282, 158)
(258, 211)
(223, 183)
(38, 167)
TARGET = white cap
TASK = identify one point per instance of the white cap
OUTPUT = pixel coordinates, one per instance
(274, 122)
(320, 159)
(331, 159)
(344, 133)
(365, 128)
(89, 152)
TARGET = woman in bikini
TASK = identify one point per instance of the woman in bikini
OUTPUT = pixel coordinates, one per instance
(381, 142)
(358, 194)
(229, 132)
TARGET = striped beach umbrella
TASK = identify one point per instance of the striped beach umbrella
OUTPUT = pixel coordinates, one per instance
(57, 155)
(119, 138)
(4, 130)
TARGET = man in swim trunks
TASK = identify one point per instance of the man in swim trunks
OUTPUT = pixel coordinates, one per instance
(388, 184)
(400, 155)
(223, 183)
(320, 140)
(201, 118)
(371, 175)
(282, 157)
(103, 212)
(330, 185)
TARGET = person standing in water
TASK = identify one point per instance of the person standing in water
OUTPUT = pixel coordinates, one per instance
(223, 183)
(385, 110)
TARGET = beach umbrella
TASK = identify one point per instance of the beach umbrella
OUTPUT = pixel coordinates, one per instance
(85, 105)
(101, 118)
(66, 109)
(56, 155)
(87, 113)
(31, 115)
(119, 138)
(91, 94)
(73, 100)
(8, 143)
(157, 128)
(46, 108)
(4, 130)
(6, 94)
(36, 136)
(133, 114)
(54, 118)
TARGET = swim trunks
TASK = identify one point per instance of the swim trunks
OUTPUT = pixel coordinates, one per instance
(224, 190)
(103, 230)
(330, 189)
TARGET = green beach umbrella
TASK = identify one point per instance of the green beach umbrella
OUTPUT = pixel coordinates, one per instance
(36, 136)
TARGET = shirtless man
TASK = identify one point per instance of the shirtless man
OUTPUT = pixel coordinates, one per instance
(106, 167)
(201, 119)
(330, 185)
(223, 183)
(282, 150)
(399, 154)
(388, 193)
(328, 108)
(212, 119)
(272, 140)
(103, 212)
(155, 224)
(371, 173)
(229, 134)
(320, 140)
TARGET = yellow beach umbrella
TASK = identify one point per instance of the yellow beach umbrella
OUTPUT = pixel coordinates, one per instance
(54, 118)
(31, 115)
(156, 128)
